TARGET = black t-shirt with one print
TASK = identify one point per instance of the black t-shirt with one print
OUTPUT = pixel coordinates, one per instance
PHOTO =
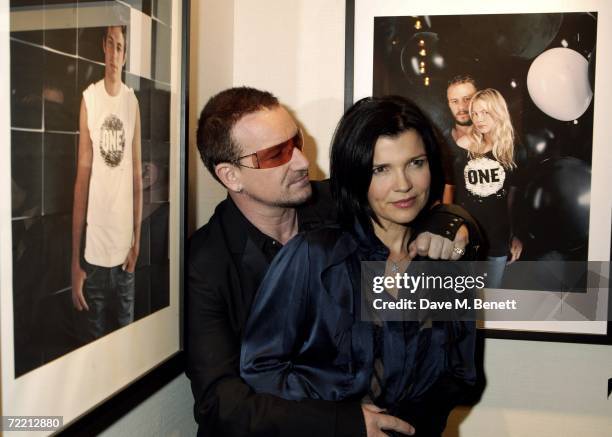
(481, 187)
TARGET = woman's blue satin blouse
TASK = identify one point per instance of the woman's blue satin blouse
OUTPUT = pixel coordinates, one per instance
(304, 338)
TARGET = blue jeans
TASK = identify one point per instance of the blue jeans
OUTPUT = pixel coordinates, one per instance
(109, 293)
(495, 271)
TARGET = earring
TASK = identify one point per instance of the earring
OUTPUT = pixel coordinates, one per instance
(239, 190)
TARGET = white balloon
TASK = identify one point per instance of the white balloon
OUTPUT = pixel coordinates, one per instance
(558, 83)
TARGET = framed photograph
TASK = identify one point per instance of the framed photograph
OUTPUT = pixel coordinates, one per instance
(93, 150)
(539, 59)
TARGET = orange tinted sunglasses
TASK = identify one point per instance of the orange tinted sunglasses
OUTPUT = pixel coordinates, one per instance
(274, 156)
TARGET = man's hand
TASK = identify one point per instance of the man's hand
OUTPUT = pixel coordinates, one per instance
(78, 279)
(516, 248)
(376, 421)
(438, 247)
(129, 265)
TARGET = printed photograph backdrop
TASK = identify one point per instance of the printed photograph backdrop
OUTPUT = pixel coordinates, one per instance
(56, 52)
(554, 133)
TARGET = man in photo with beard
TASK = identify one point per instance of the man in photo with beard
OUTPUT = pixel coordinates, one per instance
(459, 93)
(489, 197)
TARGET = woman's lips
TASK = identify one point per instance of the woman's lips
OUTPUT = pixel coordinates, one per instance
(404, 203)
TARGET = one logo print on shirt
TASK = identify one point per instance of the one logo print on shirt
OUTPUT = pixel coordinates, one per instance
(112, 140)
(484, 176)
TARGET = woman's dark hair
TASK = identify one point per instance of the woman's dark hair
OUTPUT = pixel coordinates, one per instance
(352, 152)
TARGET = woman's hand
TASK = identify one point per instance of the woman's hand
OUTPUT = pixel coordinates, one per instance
(376, 421)
(438, 247)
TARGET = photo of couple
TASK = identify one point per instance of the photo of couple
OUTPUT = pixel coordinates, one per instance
(482, 180)
(512, 97)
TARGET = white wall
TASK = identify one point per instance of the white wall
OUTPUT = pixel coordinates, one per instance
(211, 70)
(541, 389)
(168, 412)
(295, 49)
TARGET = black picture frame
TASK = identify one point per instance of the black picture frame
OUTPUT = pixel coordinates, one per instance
(349, 99)
(167, 362)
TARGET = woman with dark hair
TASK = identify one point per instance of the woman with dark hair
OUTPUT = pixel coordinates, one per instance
(304, 338)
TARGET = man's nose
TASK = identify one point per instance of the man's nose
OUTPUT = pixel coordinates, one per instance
(299, 160)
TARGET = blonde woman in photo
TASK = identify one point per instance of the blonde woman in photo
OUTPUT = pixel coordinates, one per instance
(491, 129)
(489, 178)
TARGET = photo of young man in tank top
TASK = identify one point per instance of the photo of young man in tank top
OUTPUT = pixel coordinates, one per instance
(107, 212)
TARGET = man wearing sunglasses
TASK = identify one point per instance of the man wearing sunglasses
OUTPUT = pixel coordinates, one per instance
(253, 146)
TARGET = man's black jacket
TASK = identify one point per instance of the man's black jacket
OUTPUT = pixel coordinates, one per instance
(225, 267)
